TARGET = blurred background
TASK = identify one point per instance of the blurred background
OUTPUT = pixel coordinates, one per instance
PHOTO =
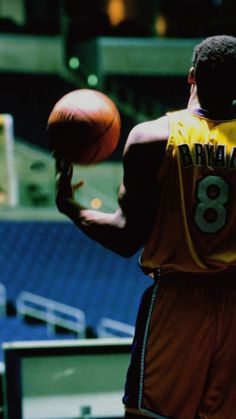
(136, 51)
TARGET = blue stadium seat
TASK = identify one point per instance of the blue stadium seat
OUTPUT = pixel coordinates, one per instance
(13, 329)
(54, 259)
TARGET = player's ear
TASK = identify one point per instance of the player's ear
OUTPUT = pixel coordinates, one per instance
(191, 76)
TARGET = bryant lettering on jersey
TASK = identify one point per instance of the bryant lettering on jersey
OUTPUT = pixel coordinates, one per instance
(207, 155)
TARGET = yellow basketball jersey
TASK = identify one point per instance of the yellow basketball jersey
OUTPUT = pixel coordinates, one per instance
(195, 227)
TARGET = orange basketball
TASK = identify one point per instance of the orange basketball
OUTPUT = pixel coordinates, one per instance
(84, 126)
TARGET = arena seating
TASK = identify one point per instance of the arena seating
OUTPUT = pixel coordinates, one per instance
(53, 259)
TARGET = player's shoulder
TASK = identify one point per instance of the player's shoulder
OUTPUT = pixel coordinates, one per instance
(153, 131)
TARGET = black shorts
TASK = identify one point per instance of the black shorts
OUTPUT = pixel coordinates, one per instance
(183, 363)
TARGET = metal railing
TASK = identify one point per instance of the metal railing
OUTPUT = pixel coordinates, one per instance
(3, 300)
(111, 328)
(53, 313)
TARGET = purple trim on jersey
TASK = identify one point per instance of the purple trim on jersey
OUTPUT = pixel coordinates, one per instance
(133, 396)
(144, 345)
(208, 115)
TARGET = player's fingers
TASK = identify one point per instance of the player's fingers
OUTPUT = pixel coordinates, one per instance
(77, 185)
(63, 168)
(59, 158)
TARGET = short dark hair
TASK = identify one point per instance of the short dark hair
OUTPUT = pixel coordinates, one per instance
(214, 63)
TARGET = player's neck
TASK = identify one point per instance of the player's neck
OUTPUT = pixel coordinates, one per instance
(193, 102)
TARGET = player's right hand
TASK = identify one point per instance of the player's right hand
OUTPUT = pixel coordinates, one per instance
(64, 188)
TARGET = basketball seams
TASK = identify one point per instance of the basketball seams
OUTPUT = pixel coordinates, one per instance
(72, 113)
(116, 119)
(94, 148)
(84, 126)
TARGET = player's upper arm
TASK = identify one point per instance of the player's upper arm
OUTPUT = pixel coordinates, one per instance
(138, 198)
(150, 132)
(144, 150)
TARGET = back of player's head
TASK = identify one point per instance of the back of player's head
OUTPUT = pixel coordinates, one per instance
(214, 63)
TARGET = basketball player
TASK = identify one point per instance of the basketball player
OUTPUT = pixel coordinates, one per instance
(177, 203)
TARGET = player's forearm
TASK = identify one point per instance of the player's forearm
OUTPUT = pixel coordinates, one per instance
(108, 229)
